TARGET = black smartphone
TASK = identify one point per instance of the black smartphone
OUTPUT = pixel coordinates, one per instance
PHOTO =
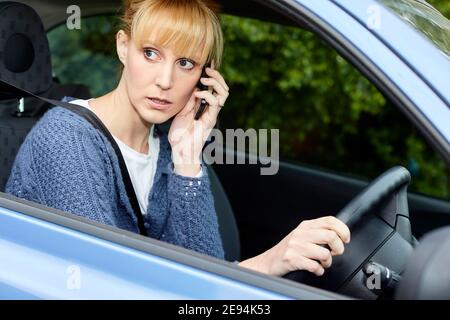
(202, 87)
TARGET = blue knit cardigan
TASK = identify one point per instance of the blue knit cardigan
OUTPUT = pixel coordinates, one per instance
(67, 164)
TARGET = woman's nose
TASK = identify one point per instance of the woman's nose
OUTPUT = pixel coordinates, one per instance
(164, 77)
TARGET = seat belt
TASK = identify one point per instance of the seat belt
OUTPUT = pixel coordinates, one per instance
(92, 118)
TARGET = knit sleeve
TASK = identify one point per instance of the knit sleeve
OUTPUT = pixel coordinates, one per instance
(193, 219)
(66, 167)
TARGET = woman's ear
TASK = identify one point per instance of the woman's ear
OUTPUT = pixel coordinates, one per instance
(122, 46)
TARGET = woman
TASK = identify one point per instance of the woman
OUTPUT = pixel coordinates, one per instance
(66, 164)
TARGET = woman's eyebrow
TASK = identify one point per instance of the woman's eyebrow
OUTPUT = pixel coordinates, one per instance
(149, 44)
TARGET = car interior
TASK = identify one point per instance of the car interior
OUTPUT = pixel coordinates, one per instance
(256, 212)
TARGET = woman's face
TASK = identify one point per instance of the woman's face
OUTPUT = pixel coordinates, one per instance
(154, 72)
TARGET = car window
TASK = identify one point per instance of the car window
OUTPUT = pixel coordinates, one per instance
(424, 18)
(328, 114)
(86, 55)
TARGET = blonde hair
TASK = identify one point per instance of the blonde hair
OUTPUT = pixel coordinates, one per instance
(184, 25)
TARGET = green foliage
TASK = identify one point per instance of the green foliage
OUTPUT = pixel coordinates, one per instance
(442, 5)
(328, 114)
(87, 55)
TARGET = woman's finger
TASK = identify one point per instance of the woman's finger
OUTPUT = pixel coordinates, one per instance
(216, 75)
(212, 100)
(325, 237)
(328, 262)
(318, 253)
(215, 84)
(303, 263)
(334, 224)
(312, 251)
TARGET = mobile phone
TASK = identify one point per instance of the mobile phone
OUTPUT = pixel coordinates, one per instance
(203, 104)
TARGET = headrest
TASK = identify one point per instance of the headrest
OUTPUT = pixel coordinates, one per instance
(427, 273)
(24, 51)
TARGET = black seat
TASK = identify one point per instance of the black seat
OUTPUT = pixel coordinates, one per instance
(426, 276)
(15, 124)
(25, 62)
(227, 222)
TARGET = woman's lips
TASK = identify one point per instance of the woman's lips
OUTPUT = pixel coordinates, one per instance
(158, 104)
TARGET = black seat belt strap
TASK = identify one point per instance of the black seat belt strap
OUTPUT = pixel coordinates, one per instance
(92, 118)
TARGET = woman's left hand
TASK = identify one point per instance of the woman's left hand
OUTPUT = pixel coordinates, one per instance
(187, 135)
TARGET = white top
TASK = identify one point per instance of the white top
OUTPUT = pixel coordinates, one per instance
(141, 167)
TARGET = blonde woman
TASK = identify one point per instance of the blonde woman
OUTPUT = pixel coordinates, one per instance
(65, 163)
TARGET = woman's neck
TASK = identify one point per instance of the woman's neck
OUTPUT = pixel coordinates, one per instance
(119, 116)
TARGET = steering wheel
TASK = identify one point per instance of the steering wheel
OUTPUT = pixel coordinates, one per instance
(378, 219)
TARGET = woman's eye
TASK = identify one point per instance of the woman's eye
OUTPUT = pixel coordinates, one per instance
(148, 53)
(186, 64)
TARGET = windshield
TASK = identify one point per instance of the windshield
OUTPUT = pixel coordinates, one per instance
(423, 17)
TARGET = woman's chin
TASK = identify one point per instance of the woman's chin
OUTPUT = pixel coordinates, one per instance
(156, 116)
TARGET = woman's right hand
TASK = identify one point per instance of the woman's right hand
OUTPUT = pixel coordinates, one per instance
(301, 250)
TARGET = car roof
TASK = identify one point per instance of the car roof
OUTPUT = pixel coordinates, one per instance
(53, 12)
